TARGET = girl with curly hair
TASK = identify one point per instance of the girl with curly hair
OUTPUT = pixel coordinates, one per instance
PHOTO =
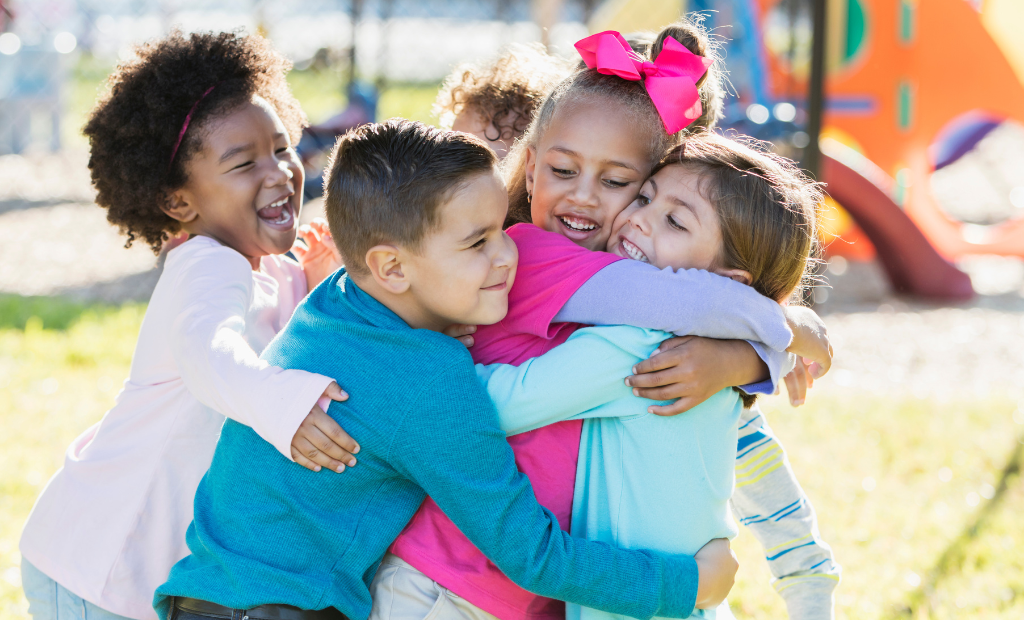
(195, 137)
(586, 156)
(496, 101)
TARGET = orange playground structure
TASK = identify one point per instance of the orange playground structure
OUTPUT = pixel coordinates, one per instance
(911, 86)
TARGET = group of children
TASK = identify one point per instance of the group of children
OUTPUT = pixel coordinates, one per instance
(491, 455)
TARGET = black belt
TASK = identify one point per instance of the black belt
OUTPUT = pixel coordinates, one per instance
(263, 612)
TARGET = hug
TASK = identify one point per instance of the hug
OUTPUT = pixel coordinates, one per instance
(533, 380)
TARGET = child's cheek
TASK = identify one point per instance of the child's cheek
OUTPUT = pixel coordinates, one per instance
(541, 216)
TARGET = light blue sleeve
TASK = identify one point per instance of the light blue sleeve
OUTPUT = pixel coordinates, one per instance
(581, 378)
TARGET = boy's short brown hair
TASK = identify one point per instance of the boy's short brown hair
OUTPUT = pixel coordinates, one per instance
(505, 93)
(386, 181)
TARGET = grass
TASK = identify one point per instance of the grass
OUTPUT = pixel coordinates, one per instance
(913, 546)
(60, 366)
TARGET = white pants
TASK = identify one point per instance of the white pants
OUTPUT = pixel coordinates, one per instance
(401, 592)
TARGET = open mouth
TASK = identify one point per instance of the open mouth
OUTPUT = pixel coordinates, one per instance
(632, 251)
(279, 215)
(577, 227)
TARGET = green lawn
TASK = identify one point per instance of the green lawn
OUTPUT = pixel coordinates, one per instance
(912, 546)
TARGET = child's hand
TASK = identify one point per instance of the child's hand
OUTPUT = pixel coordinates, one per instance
(810, 340)
(716, 566)
(319, 257)
(320, 442)
(692, 370)
(798, 381)
(461, 333)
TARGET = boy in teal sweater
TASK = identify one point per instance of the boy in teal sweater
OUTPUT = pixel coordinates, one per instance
(417, 214)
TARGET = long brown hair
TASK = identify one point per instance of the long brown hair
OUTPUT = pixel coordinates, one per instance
(767, 210)
(588, 84)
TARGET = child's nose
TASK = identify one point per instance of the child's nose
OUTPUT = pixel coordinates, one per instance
(281, 173)
(638, 220)
(508, 255)
(584, 193)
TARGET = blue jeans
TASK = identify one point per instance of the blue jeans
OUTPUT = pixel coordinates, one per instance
(48, 600)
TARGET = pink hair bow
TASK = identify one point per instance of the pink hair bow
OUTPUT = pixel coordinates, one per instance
(671, 80)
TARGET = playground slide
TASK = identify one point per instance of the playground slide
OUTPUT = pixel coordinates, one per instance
(909, 259)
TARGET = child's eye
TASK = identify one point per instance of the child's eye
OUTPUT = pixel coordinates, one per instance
(479, 244)
(675, 224)
(561, 172)
(643, 200)
(616, 184)
(243, 165)
(283, 149)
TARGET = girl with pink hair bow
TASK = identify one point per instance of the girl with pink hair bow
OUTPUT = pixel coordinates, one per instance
(589, 150)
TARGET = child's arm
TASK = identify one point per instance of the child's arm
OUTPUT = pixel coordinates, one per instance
(691, 369)
(685, 302)
(665, 376)
(768, 499)
(493, 504)
(581, 378)
(222, 371)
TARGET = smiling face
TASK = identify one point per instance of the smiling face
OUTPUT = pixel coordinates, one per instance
(462, 270)
(587, 167)
(244, 186)
(670, 224)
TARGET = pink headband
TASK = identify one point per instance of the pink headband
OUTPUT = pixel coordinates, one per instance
(671, 80)
(184, 126)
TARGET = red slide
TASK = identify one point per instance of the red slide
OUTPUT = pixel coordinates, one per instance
(914, 267)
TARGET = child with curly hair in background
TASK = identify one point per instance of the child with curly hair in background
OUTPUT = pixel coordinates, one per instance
(592, 145)
(195, 137)
(495, 102)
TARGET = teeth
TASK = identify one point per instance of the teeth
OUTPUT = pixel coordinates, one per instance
(284, 218)
(633, 251)
(576, 223)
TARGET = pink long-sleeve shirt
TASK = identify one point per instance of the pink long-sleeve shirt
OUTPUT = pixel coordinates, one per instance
(110, 524)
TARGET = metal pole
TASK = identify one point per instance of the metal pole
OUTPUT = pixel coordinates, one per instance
(816, 89)
(354, 15)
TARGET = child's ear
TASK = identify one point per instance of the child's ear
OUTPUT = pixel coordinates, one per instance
(531, 167)
(385, 267)
(178, 207)
(743, 277)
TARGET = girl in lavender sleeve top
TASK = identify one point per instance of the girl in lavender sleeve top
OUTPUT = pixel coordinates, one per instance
(664, 483)
(575, 170)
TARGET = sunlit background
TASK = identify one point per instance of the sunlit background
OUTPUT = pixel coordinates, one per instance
(910, 448)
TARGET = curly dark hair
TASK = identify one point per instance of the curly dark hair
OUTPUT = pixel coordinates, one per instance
(505, 92)
(133, 129)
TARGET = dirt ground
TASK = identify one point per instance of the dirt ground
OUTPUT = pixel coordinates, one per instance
(55, 241)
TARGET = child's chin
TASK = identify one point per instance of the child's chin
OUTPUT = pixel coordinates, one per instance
(284, 244)
(489, 314)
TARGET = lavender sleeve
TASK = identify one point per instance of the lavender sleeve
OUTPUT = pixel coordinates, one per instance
(685, 302)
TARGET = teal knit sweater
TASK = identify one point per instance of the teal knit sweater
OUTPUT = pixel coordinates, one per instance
(268, 531)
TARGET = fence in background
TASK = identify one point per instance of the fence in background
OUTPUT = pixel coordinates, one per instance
(44, 44)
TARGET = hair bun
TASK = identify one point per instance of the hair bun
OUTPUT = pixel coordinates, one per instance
(694, 36)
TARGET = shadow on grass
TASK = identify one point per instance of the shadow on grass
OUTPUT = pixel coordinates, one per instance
(952, 559)
(55, 313)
